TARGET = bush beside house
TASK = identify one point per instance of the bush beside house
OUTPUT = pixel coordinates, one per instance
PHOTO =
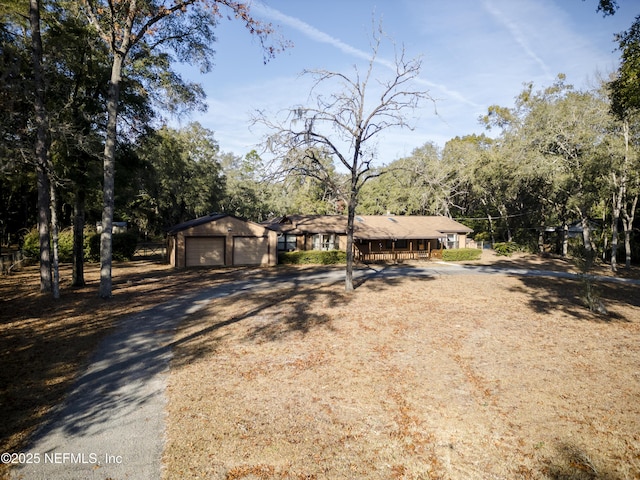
(313, 257)
(461, 254)
(505, 249)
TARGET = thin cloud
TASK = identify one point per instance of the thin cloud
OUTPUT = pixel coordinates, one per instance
(309, 30)
(319, 36)
(516, 33)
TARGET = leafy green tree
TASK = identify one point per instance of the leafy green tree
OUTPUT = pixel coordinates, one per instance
(607, 7)
(424, 183)
(245, 194)
(183, 178)
(488, 179)
(131, 29)
(310, 184)
(76, 74)
(17, 167)
(570, 132)
(625, 87)
(624, 91)
(555, 139)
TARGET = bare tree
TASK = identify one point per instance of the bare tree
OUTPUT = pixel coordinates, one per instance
(346, 124)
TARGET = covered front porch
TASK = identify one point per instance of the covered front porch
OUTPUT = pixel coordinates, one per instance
(386, 250)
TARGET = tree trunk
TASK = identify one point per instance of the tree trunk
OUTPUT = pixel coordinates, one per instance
(615, 220)
(43, 228)
(106, 245)
(619, 194)
(54, 232)
(351, 213)
(505, 218)
(565, 238)
(541, 231)
(586, 231)
(42, 160)
(628, 217)
(78, 238)
(628, 214)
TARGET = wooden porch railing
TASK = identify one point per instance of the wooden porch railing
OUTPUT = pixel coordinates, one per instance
(394, 256)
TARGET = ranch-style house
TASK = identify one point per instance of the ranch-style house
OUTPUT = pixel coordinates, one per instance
(376, 237)
(226, 240)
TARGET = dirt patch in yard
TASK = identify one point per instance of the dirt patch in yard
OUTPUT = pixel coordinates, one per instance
(454, 377)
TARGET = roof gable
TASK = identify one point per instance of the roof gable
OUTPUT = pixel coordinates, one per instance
(212, 217)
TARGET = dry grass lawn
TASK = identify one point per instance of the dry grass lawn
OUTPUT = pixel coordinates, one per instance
(453, 377)
(456, 377)
(45, 343)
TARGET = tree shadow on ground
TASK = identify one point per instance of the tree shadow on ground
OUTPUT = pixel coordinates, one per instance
(45, 343)
(541, 262)
(115, 383)
(549, 295)
(571, 462)
(554, 263)
(294, 307)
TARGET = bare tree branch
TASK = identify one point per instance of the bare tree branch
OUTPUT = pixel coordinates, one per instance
(345, 124)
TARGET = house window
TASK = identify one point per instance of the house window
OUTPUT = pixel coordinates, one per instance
(287, 243)
(452, 240)
(325, 241)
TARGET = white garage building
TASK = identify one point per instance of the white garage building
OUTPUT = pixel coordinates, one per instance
(221, 240)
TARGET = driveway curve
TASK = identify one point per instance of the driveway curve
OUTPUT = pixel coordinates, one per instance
(112, 424)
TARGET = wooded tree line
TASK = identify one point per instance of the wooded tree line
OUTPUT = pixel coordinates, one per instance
(82, 83)
(559, 156)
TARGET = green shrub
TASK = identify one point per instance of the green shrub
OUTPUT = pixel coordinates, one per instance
(313, 257)
(92, 253)
(461, 254)
(123, 244)
(505, 249)
(31, 245)
(482, 237)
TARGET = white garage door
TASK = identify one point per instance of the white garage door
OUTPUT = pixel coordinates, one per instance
(204, 251)
(250, 250)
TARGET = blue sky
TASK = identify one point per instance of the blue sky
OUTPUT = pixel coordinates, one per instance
(475, 53)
